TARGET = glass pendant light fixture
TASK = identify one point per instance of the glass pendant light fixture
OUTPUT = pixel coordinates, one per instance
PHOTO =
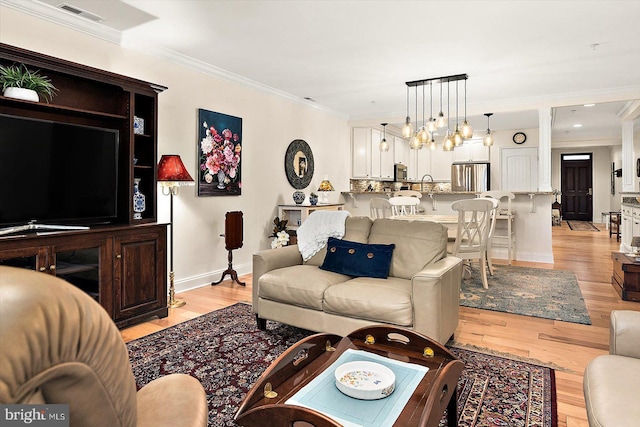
(423, 135)
(488, 138)
(447, 143)
(466, 129)
(432, 143)
(442, 120)
(431, 124)
(384, 145)
(407, 129)
(415, 143)
(457, 134)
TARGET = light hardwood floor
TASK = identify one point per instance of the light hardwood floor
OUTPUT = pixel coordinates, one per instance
(568, 346)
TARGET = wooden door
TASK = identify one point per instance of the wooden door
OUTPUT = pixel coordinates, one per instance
(577, 188)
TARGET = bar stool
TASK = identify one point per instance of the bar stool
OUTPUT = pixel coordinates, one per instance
(614, 225)
(503, 236)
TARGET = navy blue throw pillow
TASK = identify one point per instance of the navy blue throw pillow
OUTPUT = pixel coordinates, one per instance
(358, 259)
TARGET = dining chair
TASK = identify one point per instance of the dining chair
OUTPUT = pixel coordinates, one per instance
(408, 193)
(404, 205)
(504, 234)
(379, 208)
(472, 236)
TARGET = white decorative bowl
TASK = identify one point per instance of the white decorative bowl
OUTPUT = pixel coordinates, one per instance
(365, 380)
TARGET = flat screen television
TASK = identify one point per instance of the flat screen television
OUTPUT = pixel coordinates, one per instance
(57, 173)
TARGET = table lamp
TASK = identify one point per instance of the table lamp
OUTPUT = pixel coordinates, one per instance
(171, 176)
(325, 186)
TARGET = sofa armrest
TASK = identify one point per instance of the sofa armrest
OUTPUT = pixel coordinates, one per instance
(439, 268)
(624, 335)
(436, 298)
(272, 259)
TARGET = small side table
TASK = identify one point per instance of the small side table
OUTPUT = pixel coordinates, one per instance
(297, 214)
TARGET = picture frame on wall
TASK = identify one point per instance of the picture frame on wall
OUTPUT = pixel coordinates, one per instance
(219, 154)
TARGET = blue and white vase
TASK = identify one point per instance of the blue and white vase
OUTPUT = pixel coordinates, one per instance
(139, 204)
(221, 177)
(298, 197)
(313, 199)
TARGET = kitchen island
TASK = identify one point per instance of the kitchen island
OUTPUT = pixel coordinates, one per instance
(532, 223)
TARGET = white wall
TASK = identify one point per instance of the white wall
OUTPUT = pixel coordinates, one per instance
(270, 123)
(504, 139)
(601, 176)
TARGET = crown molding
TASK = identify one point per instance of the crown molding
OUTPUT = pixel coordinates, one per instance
(83, 25)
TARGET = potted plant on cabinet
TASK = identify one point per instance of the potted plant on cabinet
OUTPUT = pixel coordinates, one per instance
(21, 83)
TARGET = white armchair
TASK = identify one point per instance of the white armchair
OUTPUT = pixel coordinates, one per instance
(611, 386)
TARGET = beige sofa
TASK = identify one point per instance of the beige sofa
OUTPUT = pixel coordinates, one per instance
(611, 382)
(421, 293)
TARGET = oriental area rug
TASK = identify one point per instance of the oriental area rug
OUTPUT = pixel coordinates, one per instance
(536, 292)
(582, 226)
(227, 353)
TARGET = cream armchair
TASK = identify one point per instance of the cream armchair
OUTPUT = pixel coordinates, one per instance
(60, 347)
(611, 385)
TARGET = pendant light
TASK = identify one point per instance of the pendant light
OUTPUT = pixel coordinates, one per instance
(384, 145)
(447, 143)
(415, 143)
(442, 120)
(488, 138)
(407, 129)
(423, 135)
(466, 129)
(457, 135)
(431, 125)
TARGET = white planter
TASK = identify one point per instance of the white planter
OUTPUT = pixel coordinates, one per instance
(21, 93)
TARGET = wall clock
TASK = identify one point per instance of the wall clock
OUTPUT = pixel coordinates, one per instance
(519, 137)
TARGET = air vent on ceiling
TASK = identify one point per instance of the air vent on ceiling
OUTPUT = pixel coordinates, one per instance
(77, 11)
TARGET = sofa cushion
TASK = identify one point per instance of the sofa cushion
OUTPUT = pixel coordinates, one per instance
(356, 229)
(358, 259)
(418, 243)
(301, 285)
(377, 300)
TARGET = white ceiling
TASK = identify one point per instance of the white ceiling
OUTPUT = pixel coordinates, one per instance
(354, 57)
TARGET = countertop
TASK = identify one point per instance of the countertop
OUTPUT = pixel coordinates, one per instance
(446, 193)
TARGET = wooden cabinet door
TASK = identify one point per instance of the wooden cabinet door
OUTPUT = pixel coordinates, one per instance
(37, 258)
(140, 275)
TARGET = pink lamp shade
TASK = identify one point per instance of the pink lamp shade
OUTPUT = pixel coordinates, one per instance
(171, 169)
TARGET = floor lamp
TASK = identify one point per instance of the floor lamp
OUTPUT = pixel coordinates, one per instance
(171, 176)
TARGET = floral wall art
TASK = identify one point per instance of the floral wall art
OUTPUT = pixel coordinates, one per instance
(219, 154)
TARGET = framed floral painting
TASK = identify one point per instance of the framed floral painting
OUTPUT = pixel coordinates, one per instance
(219, 154)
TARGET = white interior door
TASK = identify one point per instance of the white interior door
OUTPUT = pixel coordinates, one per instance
(519, 169)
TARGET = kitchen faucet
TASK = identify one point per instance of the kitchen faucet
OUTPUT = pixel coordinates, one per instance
(422, 182)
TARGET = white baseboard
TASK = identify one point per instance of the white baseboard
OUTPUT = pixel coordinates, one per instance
(205, 279)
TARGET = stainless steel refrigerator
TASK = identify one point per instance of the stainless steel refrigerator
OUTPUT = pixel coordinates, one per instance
(470, 176)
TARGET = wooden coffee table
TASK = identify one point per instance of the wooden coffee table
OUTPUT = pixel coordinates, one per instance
(308, 358)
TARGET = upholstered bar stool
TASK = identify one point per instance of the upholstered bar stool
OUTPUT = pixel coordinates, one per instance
(504, 235)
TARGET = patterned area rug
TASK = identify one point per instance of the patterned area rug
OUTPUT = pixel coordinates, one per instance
(227, 353)
(582, 226)
(536, 292)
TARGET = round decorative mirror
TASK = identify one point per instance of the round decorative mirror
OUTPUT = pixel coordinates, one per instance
(298, 164)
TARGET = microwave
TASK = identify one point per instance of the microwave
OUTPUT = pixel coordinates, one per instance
(399, 172)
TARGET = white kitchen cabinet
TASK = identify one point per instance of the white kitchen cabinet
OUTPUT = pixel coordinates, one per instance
(361, 153)
(367, 161)
(424, 162)
(400, 150)
(441, 164)
(471, 152)
(627, 225)
(412, 165)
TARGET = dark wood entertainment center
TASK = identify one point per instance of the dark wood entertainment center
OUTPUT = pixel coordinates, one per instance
(122, 264)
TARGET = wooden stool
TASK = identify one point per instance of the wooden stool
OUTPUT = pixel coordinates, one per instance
(232, 240)
(614, 225)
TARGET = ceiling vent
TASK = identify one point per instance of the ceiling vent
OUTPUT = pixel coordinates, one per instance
(79, 12)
